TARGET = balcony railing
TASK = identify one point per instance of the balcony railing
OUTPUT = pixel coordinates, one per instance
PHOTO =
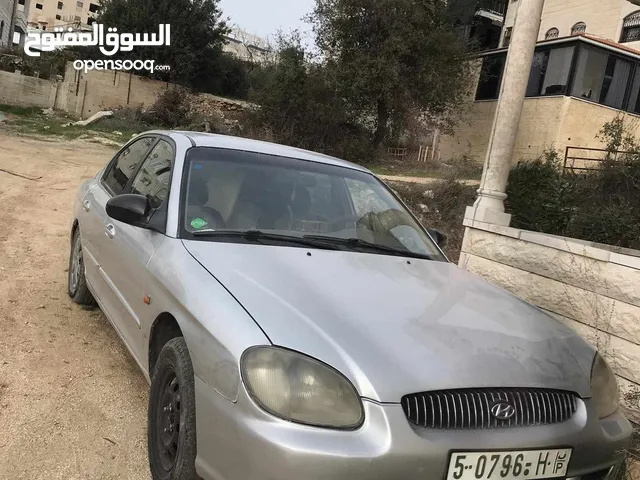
(497, 7)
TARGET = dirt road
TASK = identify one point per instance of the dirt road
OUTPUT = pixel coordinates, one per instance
(72, 402)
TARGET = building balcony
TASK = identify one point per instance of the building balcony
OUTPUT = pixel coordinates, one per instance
(494, 10)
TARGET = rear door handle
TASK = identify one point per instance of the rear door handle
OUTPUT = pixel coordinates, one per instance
(86, 205)
(110, 231)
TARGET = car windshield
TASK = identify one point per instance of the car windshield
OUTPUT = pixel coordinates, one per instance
(231, 193)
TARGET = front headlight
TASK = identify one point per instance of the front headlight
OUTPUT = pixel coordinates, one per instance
(300, 389)
(604, 387)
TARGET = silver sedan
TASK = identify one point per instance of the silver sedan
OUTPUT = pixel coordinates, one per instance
(295, 321)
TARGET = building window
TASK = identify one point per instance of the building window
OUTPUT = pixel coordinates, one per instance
(60, 5)
(490, 77)
(1, 30)
(552, 33)
(631, 28)
(550, 72)
(38, 6)
(77, 19)
(579, 28)
(507, 37)
(91, 21)
(79, 4)
(58, 17)
(601, 77)
(93, 8)
(634, 98)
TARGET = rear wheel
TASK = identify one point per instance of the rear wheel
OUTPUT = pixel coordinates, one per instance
(171, 429)
(77, 282)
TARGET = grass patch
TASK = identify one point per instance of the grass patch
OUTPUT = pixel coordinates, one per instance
(462, 168)
(21, 111)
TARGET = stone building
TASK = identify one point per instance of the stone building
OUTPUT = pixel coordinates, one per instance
(585, 72)
(248, 47)
(47, 14)
(13, 13)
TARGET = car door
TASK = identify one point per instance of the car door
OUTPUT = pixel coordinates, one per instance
(129, 249)
(116, 177)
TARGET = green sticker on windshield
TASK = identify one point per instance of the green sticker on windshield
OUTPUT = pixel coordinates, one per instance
(198, 223)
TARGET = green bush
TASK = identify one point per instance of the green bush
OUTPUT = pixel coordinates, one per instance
(299, 107)
(601, 206)
(172, 109)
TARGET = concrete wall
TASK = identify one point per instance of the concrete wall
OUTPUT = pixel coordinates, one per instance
(547, 122)
(603, 17)
(593, 290)
(16, 89)
(84, 94)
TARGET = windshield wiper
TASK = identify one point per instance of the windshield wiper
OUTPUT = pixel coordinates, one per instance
(363, 244)
(259, 236)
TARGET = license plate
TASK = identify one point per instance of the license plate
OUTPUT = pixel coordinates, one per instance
(516, 465)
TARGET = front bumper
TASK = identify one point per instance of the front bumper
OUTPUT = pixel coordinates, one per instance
(241, 442)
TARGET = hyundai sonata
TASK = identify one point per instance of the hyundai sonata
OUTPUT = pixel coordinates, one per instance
(295, 321)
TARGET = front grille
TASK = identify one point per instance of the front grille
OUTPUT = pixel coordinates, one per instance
(471, 408)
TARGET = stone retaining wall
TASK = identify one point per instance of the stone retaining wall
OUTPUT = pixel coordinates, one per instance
(593, 289)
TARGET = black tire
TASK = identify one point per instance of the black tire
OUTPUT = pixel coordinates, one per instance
(76, 280)
(171, 434)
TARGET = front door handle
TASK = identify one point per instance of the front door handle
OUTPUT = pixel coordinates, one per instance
(110, 231)
(86, 205)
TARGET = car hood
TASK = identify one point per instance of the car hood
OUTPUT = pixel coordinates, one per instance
(396, 326)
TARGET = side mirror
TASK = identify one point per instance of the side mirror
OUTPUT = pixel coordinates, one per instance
(439, 237)
(129, 209)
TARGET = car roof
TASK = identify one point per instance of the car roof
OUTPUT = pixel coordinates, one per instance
(199, 139)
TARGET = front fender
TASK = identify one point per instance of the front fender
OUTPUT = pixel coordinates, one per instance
(216, 328)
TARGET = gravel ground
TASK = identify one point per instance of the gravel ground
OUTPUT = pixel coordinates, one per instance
(72, 401)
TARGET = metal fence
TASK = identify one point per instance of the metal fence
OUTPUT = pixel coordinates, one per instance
(583, 159)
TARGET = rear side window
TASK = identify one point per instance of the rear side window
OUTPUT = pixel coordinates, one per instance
(127, 164)
(155, 175)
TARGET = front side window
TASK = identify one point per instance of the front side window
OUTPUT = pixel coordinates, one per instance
(228, 191)
(154, 177)
(127, 163)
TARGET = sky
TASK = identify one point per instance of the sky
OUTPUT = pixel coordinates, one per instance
(265, 17)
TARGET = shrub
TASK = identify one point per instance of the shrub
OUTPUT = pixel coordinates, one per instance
(601, 206)
(171, 110)
(131, 119)
(539, 197)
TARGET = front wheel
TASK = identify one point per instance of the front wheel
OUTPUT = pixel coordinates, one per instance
(77, 282)
(171, 428)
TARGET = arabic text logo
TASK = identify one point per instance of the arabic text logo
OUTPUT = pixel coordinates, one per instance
(109, 44)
